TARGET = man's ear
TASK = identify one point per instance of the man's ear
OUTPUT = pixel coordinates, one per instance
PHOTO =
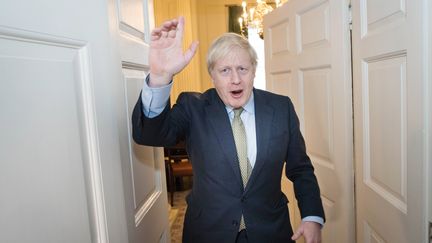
(211, 77)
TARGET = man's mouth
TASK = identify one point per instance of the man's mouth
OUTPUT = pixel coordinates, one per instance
(237, 93)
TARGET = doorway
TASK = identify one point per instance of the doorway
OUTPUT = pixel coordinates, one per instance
(367, 126)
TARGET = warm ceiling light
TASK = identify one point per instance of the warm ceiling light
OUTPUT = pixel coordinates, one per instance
(254, 18)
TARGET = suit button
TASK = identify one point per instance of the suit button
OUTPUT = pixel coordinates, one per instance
(243, 199)
(235, 223)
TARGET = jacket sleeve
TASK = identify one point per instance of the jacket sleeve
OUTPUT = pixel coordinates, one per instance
(166, 129)
(300, 171)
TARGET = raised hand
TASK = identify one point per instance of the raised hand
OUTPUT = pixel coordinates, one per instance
(166, 53)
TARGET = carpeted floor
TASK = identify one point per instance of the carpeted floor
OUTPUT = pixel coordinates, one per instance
(180, 207)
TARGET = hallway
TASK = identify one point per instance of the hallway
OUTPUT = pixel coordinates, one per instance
(359, 73)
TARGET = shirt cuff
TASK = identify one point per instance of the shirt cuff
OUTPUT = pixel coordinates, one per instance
(154, 99)
(315, 219)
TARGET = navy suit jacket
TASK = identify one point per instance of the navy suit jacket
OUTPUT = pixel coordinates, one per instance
(217, 199)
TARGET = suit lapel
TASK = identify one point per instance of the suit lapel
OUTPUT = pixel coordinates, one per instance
(218, 118)
(263, 124)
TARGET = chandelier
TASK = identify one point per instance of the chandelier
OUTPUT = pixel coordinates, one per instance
(254, 17)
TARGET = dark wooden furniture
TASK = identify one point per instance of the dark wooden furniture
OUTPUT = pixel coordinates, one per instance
(178, 165)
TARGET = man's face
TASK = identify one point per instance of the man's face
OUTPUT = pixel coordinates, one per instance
(233, 77)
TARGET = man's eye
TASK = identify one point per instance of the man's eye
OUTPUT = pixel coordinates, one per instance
(225, 70)
(243, 70)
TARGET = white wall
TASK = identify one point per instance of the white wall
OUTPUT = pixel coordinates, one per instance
(258, 44)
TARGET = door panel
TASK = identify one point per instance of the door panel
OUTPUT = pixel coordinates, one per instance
(143, 167)
(68, 161)
(308, 59)
(60, 173)
(144, 175)
(389, 120)
(42, 121)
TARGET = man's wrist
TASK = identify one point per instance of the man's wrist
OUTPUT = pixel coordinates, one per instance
(315, 219)
(159, 80)
(154, 100)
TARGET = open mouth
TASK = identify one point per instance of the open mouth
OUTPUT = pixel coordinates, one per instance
(237, 93)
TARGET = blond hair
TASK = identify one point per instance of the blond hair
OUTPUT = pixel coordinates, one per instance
(223, 45)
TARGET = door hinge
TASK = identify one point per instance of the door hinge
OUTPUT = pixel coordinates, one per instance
(350, 16)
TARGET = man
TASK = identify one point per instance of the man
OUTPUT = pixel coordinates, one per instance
(238, 139)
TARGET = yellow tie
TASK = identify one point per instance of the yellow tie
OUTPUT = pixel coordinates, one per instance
(239, 133)
(241, 144)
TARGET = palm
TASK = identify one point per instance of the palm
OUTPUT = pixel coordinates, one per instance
(166, 56)
(166, 53)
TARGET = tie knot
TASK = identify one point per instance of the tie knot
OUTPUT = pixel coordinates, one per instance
(238, 111)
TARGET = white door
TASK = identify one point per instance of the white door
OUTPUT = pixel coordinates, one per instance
(64, 142)
(389, 115)
(60, 178)
(308, 58)
(143, 167)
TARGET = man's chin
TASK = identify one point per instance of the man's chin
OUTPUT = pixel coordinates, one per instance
(237, 104)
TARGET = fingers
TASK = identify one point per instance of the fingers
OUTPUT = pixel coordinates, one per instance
(191, 51)
(167, 29)
(297, 234)
(155, 34)
(180, 28)
(172, 33)
(169, 25)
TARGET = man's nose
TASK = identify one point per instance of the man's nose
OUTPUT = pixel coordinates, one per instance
(235, 78)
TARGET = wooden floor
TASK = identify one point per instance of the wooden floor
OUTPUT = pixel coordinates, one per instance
(179, 209)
